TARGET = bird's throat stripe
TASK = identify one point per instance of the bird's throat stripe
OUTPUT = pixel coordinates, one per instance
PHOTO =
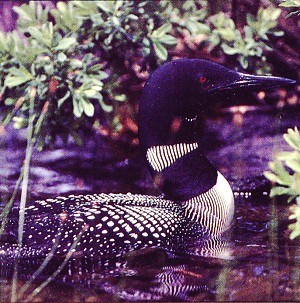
(160, 157)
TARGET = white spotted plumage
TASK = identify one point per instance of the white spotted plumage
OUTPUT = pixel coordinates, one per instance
(117, 223)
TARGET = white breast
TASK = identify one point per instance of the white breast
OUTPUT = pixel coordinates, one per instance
(213, 209)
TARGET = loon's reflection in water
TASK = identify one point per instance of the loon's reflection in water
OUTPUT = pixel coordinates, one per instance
(150, 274)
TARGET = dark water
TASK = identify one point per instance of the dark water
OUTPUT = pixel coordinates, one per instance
(263, 266)
(260, 264)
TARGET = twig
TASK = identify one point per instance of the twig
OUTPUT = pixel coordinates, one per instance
(43, 265)
(6, 209)
(60, 268)
(30, 143)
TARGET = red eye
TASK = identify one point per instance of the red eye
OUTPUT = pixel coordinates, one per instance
(202, 79)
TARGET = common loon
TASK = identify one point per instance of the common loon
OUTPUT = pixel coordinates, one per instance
(198, 202)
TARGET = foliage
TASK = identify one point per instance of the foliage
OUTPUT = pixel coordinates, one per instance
(286, 174)
(291, 4)
(249, 44)
(84, 57)
(187, 16)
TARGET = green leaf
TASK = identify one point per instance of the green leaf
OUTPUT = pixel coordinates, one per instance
(49, 69)
(248, 32)
(62, 6)
(292, 155)
(214, 39)
(229, 50)
(293, 138)
(161, 31)
(292, 182)
(86, 8)
(227, 34)
(96, 84)
(133, 17)
(294, 165)
(160, 50)
(290, 3)
(120, 98)
(91, 93)
(278, 33)
(77, 107)
(61, 57)
(146, 51)
(3, 43)
(76, 63)
(17, 76)
(275, 14)
(36, 34)
(168, 39)
(66, 43)
(295, 184)
(102, 75)
(197, 28)
(278, 191)
(105, 107)
(31, 14)
(283, 177)
(105, 6)
(97, 88)
(10, 101)
(118, 4)
(20, 122)
(272, 177)
(295, 215)
(244, 62)
(295, 230)
(25, 11)
(66, 17)
(63, 99)
(88, 107)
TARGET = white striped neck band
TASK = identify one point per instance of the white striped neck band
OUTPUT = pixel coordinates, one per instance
(162, 156)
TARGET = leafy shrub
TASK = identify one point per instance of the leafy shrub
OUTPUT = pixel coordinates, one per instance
(84, 57)
(249, 44)
(285, 172)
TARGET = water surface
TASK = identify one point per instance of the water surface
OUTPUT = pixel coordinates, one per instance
(260, 264)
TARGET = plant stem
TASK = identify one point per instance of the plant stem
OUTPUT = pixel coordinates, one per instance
(273, 250)
(222, 283)
(43, 265)
(26, 168)
(60, 268)
(25, 182)
(6, 209)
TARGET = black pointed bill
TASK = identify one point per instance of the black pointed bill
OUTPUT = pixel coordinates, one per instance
(250, 82)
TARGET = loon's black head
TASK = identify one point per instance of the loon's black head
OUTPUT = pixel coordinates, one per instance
(183, 88)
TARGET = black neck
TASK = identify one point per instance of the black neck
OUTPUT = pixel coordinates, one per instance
(188, 177)
(191, 174)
